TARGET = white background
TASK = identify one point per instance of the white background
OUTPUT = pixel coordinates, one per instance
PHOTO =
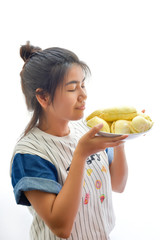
(120, 41)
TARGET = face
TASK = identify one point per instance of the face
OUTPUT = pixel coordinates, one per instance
(69, 99)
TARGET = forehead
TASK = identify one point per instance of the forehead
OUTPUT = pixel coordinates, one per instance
(74, 73)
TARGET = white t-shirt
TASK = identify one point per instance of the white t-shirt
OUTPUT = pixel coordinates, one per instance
(41, 161)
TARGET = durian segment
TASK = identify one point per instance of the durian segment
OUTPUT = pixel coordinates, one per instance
(141, 124)
(121, 120)
(96, 120)
(115, 113)
(93, 114)
(132, 129)
(119, 113)
(121, 127)
(145, 116)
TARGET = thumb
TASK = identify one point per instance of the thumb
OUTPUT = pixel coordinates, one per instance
(95, 130)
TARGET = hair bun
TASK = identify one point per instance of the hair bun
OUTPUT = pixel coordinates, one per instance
(27, 50)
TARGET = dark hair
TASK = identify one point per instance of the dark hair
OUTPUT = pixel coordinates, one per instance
(44, 69)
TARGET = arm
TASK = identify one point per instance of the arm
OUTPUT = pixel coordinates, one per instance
(59, 212)
(119, 169)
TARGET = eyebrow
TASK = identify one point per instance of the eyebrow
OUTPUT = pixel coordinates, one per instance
(73, 82)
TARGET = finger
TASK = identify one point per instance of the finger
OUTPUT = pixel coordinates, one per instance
(114, 144)
(111, 139)
(123, 137)
(95, 130)
(120, 138)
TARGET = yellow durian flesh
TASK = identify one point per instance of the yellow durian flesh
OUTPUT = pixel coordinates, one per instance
(96, 120)
(96, 113)
(114, 113)
(145, 116)
(121, 127)
(123, 120)
(118, 113)
(140, 124)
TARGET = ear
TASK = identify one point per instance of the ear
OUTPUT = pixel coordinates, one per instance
(42, 97)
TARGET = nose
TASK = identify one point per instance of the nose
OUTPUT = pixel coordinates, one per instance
(82, 96)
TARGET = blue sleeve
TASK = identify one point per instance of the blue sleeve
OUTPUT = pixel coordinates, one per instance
(110, 154)
(31, 172)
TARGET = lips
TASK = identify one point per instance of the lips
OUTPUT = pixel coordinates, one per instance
(81, 107)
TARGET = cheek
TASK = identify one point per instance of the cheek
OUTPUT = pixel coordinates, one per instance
(69, 104)
(69, 99)
(66, 103)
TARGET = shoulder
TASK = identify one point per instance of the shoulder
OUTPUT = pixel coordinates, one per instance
(32, 143)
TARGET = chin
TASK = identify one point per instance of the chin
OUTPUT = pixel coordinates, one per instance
(78, 117)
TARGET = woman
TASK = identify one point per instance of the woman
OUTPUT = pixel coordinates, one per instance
(60, 168)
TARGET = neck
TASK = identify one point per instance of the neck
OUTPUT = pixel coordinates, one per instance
(54, 127)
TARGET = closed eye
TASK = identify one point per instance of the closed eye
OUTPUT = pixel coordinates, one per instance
(73, 90)
(73, 85)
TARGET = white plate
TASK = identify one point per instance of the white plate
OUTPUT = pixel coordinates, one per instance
(130, 136)
(112, 135)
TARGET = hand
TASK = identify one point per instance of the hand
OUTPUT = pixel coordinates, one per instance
(90, 143)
